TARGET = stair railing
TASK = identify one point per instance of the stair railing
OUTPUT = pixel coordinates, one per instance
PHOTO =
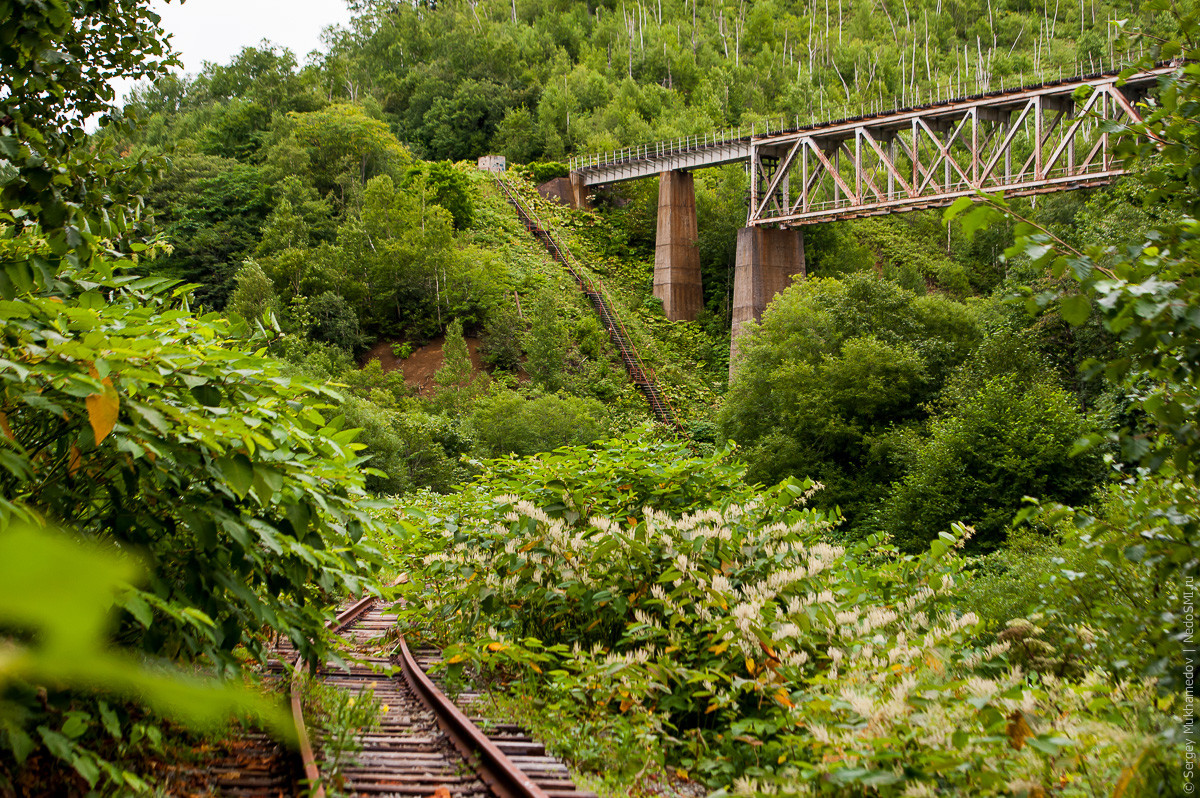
(642, 375)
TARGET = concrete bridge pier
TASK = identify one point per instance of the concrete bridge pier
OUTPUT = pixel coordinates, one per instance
(766, 261)
(676, 255)
(579, 192)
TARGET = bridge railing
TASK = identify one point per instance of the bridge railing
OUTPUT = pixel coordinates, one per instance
(957, 185)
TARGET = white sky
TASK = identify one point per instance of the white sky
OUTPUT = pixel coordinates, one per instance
(217, 30)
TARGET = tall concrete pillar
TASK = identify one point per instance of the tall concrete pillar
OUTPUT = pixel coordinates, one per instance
(766, 262)
(676, 256)
(579, 192)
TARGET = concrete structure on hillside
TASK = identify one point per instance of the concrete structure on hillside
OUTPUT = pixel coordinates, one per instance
(676, 254)
(579, 192)
(493, 163)
(1021, 141)
(558, 189)
(767, 261)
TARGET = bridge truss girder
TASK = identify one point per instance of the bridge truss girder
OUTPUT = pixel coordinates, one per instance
(1030, 141)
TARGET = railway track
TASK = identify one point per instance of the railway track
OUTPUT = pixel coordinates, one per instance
(424, 745)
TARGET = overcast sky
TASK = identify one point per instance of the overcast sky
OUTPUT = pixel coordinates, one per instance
(216, 30)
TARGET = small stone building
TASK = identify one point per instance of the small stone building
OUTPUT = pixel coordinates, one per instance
(493, 163)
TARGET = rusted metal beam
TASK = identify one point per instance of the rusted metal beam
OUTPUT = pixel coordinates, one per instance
(951, 151)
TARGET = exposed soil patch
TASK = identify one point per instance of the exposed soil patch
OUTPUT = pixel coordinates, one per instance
(422, 364)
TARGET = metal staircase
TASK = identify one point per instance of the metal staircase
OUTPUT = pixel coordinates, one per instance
(642, 375)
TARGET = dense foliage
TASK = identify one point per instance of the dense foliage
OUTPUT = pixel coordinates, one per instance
(133, 421)
(1005, 442)
(837, 370)
(537, 80)
(203, 494)
(197, 459)
(732, 638)
(1145, 294)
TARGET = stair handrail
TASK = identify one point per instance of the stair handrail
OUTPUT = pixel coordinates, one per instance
(647, 371)
(633, 361)
(563, 254)
(567, 257)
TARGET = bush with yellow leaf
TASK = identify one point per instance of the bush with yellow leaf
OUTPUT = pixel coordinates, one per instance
(126, 418)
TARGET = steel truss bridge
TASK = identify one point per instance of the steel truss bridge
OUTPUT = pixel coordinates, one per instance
(1022, 141)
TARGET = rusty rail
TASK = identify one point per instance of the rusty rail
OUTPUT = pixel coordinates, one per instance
(312, 774)
(423, 737)
(493, 765)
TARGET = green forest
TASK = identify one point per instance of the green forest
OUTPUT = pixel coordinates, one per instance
(271, 340)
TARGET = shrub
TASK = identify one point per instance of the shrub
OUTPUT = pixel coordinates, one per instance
(455, 387)
(619, 477)
(835, 366)
(407, 450)
(752, 646)
(507, 423)
(387, 389)
(456, 358)
(998, 446)
(501, 346)
(333, 320)
(254, 296)
(546, 345)
(125, 418)
(448, 187)
(160, 434)
(540, 172)
(591, 336)
(1108, 576)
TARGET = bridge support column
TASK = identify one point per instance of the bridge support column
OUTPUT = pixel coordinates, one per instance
(676, 255)
(579, 192)
(766, 262)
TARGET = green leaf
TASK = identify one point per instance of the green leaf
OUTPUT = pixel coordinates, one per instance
(76, 724)
(136, 606)
(207, 395)
(267, 483)
(57, 744)
(238, 472)
(19, 742)
(957, 208)
(8, 173)
(1075, 309)
(1081, 267)
(1049, 745)
(110, 721)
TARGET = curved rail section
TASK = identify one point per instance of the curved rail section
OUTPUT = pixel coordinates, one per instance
(644, 377)
(423, 739)
(494, 767)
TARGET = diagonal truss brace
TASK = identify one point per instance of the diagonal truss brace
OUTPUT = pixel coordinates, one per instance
(1019, 142)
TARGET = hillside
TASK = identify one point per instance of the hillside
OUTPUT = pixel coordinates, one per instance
(937, 536)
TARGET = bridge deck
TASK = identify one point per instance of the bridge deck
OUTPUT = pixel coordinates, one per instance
(909, 158)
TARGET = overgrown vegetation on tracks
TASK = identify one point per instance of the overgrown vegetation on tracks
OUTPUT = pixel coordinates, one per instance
(732, 639)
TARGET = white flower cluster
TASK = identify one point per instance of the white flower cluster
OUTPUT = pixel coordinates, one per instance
(765, 607)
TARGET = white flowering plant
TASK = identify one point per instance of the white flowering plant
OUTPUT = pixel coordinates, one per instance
(769, 658)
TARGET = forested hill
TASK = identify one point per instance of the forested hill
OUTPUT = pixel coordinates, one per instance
(541, 79)
(952, 552)
(328, 195)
